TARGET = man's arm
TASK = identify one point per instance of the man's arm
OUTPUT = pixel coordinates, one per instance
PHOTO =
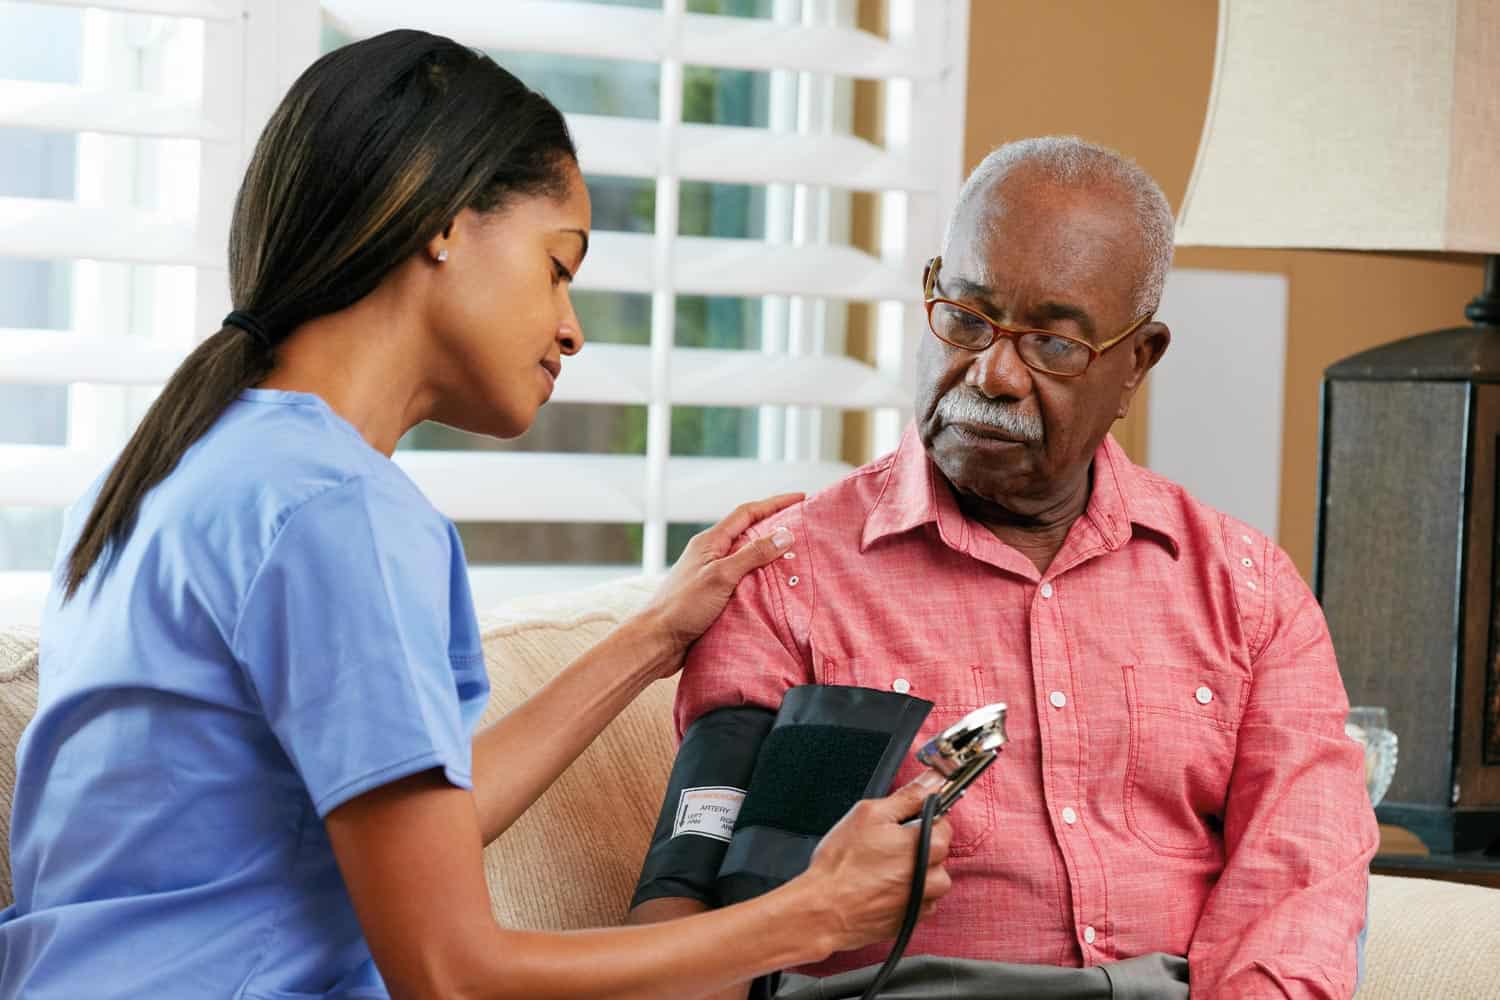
(1299, 831)
(518, 758)
(747, 658)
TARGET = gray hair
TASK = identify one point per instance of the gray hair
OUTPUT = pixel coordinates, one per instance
(1071, 161)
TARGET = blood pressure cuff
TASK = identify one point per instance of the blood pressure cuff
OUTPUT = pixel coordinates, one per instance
(703, 799)
(751, 794)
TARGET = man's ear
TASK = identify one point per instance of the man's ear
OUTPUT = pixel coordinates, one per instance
(1151, 342)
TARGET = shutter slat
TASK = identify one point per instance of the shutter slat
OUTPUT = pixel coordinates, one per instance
(556, 26)
(705, 489)
(61, 108)
(44, 476)
(614, 373)
(46, 229)
(751, 378)
(727, 154)
(604, 373)
(762, 44)
(488, 486)
(748, 268)
(206, 10)
(596, 30)
(56, 357)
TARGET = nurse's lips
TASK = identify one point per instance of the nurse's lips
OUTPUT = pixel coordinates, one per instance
(553, 369)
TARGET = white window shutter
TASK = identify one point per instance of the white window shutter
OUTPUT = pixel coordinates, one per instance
(254, 48)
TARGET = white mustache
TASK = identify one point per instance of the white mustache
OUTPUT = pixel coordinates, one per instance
(962, 407)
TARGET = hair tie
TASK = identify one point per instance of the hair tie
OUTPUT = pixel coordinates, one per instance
(247, 322)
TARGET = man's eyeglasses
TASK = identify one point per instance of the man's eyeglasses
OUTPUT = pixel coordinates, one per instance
(971, 330)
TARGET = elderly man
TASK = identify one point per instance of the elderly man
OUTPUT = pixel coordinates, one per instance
(1178, 779)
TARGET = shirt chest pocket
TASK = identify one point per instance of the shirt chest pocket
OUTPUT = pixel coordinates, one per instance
(955, 689)
(1183, 730)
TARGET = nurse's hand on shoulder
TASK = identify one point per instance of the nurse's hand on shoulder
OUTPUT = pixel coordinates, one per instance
(699, 585)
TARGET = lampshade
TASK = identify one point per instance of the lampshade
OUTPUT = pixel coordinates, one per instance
(1351, 124)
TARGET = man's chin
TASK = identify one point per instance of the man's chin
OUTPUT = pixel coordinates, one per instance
(990, 472)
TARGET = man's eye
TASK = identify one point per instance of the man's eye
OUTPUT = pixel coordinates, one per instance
(958, 320)
(1055, 347)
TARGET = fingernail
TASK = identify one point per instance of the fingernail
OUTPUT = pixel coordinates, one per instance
(781, 538)
(929, 780)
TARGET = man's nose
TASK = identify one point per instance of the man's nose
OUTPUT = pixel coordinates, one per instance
(998, 371)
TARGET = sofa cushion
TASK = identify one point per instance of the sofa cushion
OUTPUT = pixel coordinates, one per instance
(1431, 939)
(17, 705)
(572, 860)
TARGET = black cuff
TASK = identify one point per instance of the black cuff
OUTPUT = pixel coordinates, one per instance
(718, 751)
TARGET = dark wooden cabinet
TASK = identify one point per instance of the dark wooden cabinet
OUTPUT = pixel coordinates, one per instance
(1406, 569)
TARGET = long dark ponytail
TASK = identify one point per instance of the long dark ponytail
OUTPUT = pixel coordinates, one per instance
(373, 152)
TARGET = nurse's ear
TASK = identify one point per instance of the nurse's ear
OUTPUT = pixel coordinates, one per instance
(437, 247)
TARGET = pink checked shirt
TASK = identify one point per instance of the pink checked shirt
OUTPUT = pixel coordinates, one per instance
(1178, 778)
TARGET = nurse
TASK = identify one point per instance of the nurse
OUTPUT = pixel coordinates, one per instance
(254, 770)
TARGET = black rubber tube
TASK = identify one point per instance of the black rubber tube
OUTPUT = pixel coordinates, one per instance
(913, 902)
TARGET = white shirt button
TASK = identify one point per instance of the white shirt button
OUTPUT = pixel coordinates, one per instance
(1046, 590)
(1089, 934)
(1058, 699)
(1204, 696)
(1246, 562)
(789, 555)
(1069, 816)
(792, 581)
(900, 685)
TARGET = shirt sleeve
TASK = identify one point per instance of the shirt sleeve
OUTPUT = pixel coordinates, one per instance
(344, 638)
(1299, 832)
(747, 657)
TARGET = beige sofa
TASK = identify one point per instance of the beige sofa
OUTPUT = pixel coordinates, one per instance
(571, 861)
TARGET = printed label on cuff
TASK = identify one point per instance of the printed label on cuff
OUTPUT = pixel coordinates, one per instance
(708, 812)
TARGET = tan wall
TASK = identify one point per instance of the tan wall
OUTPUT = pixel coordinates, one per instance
(1135, 75)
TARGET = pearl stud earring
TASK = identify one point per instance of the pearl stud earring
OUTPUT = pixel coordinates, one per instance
(442, 255)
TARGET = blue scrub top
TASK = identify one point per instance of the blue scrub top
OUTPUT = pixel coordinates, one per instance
(288, 626)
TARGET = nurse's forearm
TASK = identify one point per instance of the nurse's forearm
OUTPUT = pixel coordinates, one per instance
(409, 852)
(697, 957)
(517, 758)
(662, 909)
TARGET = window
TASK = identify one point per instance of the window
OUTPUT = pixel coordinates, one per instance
(111, 252)
(752, 287)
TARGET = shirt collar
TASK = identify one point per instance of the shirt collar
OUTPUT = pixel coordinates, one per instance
(1122, 499)
(908, 497)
